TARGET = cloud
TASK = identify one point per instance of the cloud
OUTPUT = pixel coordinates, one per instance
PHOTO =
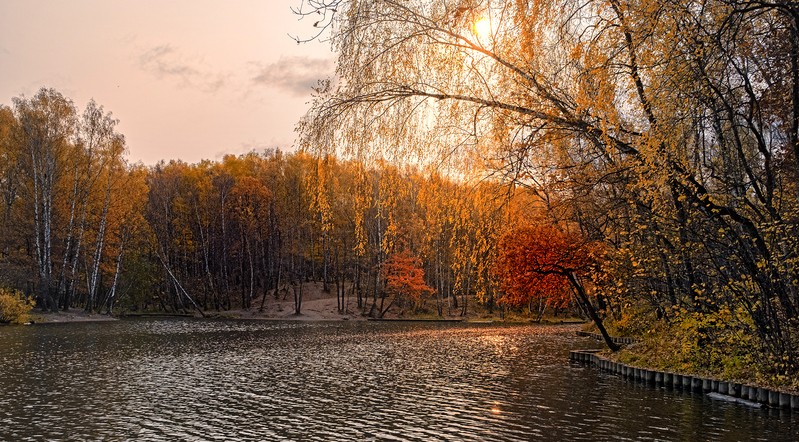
(245, 147)
(165, 62)
(295, 75)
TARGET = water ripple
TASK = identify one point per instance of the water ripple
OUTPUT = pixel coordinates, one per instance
(192, 380)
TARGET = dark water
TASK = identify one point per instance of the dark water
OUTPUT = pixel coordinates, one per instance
(226, 380)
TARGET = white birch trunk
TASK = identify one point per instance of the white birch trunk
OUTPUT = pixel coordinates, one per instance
(113, 292)
(98, 249)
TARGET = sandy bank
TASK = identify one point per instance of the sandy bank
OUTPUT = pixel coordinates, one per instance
(319, 309)
(75, 315)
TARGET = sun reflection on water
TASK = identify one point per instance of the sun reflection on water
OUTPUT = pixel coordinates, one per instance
(495, 409)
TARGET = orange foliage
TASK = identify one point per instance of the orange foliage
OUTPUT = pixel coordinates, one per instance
(249, 201)
(535, 260)
(404, 276)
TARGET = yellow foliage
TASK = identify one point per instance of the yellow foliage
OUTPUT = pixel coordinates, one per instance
(633, 320)
(15, 307)
(716, 344)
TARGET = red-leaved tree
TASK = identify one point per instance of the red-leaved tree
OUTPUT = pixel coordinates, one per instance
(543, 260)
(403, 278)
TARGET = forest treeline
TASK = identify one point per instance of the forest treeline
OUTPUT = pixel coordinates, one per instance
(83, 228)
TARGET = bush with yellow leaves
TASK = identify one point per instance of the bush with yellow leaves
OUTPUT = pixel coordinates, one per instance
(15, 307)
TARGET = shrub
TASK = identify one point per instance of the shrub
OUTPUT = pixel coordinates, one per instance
(14, 306)
(718, 343)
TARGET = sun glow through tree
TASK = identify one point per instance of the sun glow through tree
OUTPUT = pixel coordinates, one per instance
(482, 28)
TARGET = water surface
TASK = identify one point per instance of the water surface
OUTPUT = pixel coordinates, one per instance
(183, 379)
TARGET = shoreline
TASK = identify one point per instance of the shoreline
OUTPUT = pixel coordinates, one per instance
(729, 391)
(317, 305)
(732, 383)
(321, 310)
(69, 316)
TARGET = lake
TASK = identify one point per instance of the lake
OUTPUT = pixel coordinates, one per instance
(191, 379)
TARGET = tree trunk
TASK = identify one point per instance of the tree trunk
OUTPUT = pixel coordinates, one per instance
(357, 285)
(61, 291)
(98, 250)
(589, 308)
(113, 291)
(179, 288)
(252, 274)
(326, 263)
(298, 297)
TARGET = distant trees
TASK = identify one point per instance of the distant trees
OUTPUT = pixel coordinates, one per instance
(259, 226)
(82, 228)
(62, 177)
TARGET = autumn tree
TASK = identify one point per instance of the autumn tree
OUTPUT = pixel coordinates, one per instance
(249, 207)
(127, 234)
(403, 282)
(438, 200)
(108, 146)
(9, 170)
(541, 260)
(46, 126)
(480, 216)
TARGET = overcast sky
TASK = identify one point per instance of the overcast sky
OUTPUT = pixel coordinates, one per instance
(188, 79)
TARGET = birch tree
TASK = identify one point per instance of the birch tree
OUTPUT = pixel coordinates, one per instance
(9, 171)
(47, 123)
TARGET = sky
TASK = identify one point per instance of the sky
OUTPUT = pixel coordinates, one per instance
(187, 79)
